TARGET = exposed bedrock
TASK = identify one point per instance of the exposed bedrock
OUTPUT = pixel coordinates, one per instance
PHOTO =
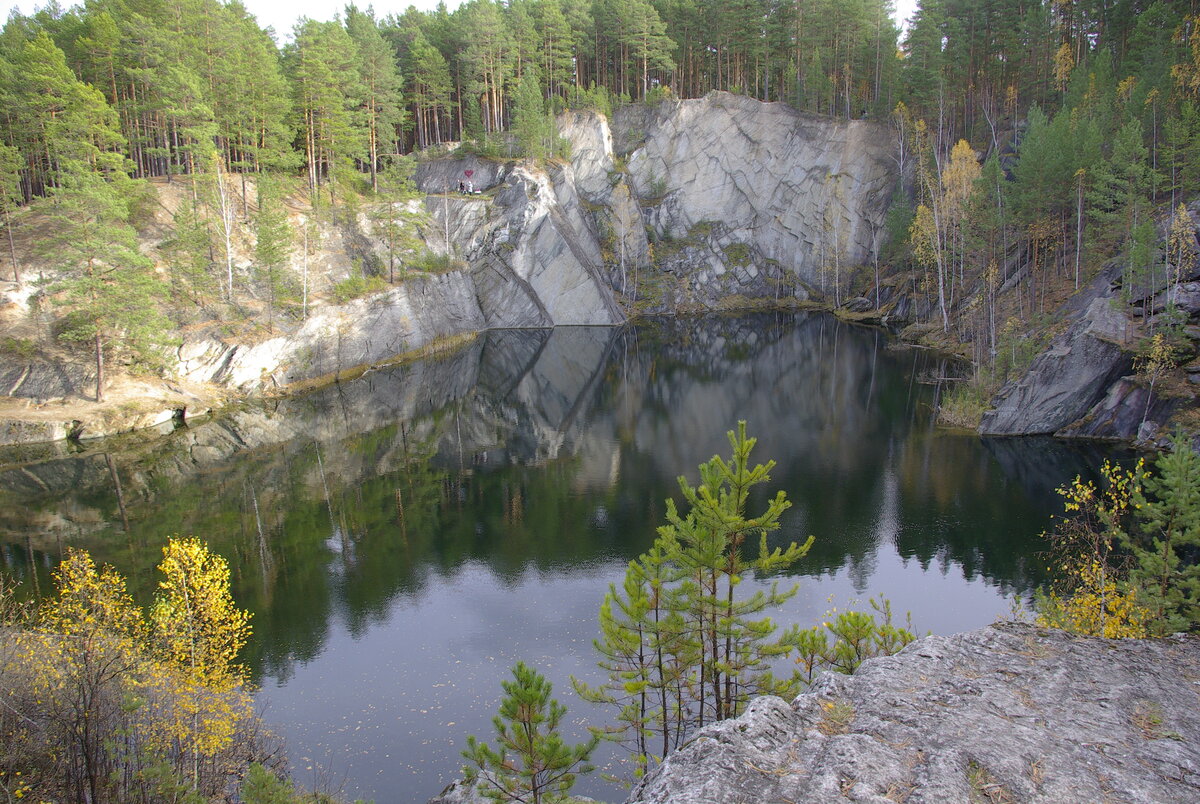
(687, 205)
(1006, 713)
(1067, 380)
(806, 191)
(677, 206)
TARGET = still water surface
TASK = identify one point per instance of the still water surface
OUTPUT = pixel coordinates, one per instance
(403, 539)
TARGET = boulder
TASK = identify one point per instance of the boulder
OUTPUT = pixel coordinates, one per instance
(1185, 297)
(1064, 382)
(859, 304)
(1127, 412)
(1007, 713)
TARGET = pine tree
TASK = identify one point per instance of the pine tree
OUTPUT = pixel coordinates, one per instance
(10, 196)
(110, 293)
(429, 89)
(531, 762)
(1118, 199)
(394, 217)
(273, 244)
(1166, 572)
(488, 58)
(382, 106)
(531, 128)
(327, 91)
(736, 649)
(557, 42)
(650, 655)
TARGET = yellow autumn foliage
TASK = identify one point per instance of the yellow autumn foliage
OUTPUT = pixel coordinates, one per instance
(1097, 607)
(103, 704)
(196, 623)
(1092, 596)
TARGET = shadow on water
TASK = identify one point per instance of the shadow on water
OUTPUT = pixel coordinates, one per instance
(435, 521)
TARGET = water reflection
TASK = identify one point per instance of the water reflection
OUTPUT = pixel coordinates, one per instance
(403, 538)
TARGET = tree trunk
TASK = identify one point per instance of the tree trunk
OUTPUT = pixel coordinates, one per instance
(12, 249)
(99, 368)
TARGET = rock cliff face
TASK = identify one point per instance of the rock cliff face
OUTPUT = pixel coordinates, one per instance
(1007, 713)
(1066, 380)
(806, 192)
(678, 206)
(1082, 384)
(362, 333)
(687, 205)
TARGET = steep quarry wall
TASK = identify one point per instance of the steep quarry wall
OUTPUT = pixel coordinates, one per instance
(805, 191)
(754, 200)
(677, 206)
(688, 205)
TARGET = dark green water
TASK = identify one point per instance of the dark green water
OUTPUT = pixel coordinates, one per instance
(403, 539)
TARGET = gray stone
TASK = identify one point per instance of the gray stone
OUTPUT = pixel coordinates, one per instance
(779, 179)
(1064, 382)
(459, 792)
(1006, 713)
(443, 175)
(1123, 414)
(859, 304)
(534, 262)
(42, 379)
(361, 333)
(16, 431)
(1185, 297)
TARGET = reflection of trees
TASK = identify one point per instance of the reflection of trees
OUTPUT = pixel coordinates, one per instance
(549, 449)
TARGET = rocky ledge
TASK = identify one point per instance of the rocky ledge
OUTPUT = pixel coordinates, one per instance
(1006, 713)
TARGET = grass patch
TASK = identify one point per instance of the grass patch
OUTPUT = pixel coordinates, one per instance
(431, 263)
(1148, 718)
(964, 405)
(985, 789)
(355, 287)
(836, 717)
(19, 348)
(737, 255)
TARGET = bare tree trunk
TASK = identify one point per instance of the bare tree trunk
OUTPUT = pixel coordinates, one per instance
(116, 480)
(12, 249)
(226, 226)
(99, 368)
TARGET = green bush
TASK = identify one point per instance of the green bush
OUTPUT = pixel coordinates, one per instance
(432, 263)
(964, 405)
(356, 287)
(20, 348)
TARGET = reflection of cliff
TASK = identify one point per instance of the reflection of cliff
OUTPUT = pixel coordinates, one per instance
(543, 448)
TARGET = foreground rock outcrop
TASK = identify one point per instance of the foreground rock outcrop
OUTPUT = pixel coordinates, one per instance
(1006, 713)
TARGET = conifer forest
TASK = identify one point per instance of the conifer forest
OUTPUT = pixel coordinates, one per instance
(169, 170)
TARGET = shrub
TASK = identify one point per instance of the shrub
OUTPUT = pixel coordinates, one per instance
(430, 262)
(356, 287)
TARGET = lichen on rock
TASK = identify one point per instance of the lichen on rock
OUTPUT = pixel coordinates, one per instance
(1006, 713)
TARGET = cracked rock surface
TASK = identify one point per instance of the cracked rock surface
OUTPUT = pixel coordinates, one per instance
(1008, 713)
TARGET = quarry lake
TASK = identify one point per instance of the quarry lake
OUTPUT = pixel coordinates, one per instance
(403, 539)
